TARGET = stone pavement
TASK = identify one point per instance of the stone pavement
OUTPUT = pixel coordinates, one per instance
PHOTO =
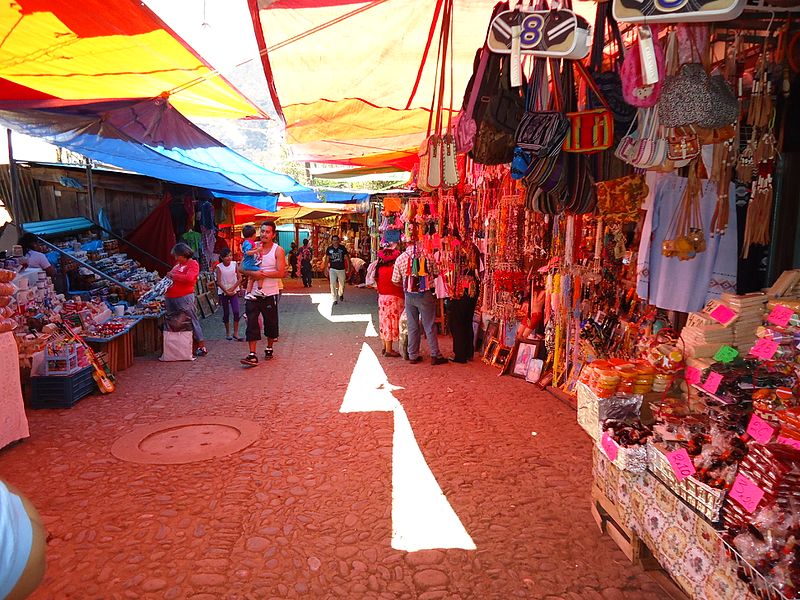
(306, 511)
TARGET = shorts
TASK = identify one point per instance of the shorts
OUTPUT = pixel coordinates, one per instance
(267, 307)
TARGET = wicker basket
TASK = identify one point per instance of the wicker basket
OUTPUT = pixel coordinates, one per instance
(703, 498)
(588, 411)
(757, 583)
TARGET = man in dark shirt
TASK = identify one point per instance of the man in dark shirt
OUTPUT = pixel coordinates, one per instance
(336, 265)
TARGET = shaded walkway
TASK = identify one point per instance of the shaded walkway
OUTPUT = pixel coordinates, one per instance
(306, 510)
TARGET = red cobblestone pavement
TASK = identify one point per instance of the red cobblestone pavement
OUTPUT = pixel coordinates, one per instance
(306, 510)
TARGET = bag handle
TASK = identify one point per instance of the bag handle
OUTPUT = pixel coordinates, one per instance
(557, 99)
(476, 84)
(434, 105)
(591, 83)
(444, 40)
(452, 52)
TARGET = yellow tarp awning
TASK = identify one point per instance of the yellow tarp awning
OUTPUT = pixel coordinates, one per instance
(69, 50)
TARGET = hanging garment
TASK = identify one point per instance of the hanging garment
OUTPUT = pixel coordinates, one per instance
(684, 285)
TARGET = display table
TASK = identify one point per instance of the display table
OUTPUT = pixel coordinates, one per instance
(13, 422)
(147, 338)
(118, 348)
(686, 546)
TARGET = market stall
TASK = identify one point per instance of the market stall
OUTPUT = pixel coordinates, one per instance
(627, 236)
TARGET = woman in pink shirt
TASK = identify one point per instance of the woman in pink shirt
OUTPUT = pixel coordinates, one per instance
(180, 296)
(390, 300)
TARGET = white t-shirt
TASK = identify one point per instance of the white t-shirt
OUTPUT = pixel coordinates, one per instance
(16, 539)
(37, 260)
(357, 263)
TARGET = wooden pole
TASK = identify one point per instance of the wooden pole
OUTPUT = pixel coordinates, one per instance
(14, 203)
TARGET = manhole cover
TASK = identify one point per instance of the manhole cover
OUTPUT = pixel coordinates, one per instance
(185, 440)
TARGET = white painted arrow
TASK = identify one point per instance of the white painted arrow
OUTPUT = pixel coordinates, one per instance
(422, 518)
(324, 304)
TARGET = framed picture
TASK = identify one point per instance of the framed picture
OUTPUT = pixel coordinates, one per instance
(489, 349)
(534, 373)
(525, 352)
(491, 332)
(501, 356)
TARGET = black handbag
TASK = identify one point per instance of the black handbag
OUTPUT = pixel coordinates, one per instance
(542, 132)
(492, 146)
(507, 104)
(609, 82)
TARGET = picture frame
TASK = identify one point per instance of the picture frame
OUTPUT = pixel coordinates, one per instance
(525, 353)
(489, 349)
(492, 332)
(535, 368)
(501, 356)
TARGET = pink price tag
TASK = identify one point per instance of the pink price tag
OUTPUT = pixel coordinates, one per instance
(787, 441)
(722, 314)
(693, 375)
(712, 382)
(746, 493)
(682, 464)
(780, 315)
(610, 447)
(764, 349)
(760, 430)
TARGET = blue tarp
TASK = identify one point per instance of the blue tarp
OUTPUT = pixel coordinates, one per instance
(152, 138)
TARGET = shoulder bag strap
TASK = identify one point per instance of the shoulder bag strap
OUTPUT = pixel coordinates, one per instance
(587, 77)
(598, 39)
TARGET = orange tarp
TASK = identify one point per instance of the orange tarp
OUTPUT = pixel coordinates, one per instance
(84, 50)
(345, 72)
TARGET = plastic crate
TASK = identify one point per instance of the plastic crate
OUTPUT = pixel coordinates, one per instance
(59, 391)
(66, 362)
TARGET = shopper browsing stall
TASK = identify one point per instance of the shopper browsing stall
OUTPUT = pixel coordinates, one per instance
(265, 298)
(336, 265)
(390, 299)
(464, 297)
(416, 270)
(228, 283)
(180, 296)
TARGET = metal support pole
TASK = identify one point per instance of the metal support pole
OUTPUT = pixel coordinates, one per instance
(90, 187)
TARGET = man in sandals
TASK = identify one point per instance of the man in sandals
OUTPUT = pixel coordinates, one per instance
(265, 299)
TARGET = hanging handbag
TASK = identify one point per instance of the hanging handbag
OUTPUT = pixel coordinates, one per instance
(646, 149)
(430, 176)
(634, 88)
(466, 124)
(507, 104)
(682, 143)
(449, 161)
(621, 197)
(465, 127)
(609, 82)
(686, 96)
(582, 197)
(590, 130)
(542, 132)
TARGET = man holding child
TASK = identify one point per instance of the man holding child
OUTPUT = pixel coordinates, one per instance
(263, 298)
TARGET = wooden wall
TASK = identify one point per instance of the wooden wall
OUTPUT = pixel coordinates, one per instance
(46, 195)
